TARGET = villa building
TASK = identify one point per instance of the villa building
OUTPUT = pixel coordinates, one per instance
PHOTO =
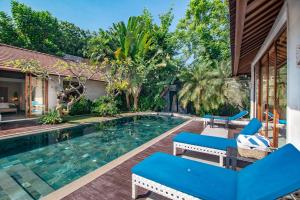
(265, 43)
(27, 95)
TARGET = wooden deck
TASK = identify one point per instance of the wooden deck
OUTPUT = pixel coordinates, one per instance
(116, 183)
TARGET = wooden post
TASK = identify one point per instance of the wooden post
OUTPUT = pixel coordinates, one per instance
(275, 111)
(259, 108)
(267, 96)
(26, 95)
(46, 95)
(30, 95)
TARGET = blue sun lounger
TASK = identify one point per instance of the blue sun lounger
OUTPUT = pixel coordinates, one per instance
(209, 144)
(280, 121)
(225, 120)
(272, 177)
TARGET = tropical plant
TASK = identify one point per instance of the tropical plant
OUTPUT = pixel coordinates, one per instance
(209, 86)
(52, 117)
(82, 106)
(105, 106)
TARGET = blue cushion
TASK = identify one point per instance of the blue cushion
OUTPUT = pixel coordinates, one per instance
(282, 121)
(194, 178)
(235, 117)
(252, 127)
(272, 177)
(215, 117)
(239, 115)
(205, 141)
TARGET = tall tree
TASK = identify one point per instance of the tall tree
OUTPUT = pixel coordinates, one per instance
(38, 28)
(40, 31)
(73, 39)
(8, 31)
(204, 31)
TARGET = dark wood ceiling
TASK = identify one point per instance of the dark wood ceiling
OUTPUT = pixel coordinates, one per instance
(250, 23)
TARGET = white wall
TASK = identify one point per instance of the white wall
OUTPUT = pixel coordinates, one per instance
(53, 88)
(293, 76)
(95, 89)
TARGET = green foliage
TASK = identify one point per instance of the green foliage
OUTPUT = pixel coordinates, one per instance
(209, 87)
(82, 106)
(52, 117)
(138, 51)
(148, 103)
(40, 31)
(204, 32)
(8, 32)
(105, 106)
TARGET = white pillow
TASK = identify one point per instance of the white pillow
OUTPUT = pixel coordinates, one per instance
(4, 105)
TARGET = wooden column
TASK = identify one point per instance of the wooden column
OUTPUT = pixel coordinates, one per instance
(46, 95)
(275, 111)
(267, 96)
(30, 95)
(26, 94)
(259, 87)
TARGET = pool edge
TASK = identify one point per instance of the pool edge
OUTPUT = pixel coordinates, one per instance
(82, 181)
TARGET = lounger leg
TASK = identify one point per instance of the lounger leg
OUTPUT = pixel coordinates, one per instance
(221, 161)
(174, 149)
(134, 191)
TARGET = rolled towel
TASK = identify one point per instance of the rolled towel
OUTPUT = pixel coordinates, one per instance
(256, 141)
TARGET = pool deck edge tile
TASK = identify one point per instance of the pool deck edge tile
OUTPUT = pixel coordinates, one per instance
(75, 185)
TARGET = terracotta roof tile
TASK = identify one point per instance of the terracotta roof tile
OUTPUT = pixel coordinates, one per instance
(10, 53)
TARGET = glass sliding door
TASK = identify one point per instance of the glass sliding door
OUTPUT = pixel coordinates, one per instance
(35, 94)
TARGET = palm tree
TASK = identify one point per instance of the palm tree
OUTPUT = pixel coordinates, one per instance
(202, 87)
(209, 85)
(135, 55)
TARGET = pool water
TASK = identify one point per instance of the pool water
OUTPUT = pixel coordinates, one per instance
(53, 159)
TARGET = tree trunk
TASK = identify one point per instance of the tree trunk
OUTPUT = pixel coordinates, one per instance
(127, 100)
(136, 102)
(136, 96)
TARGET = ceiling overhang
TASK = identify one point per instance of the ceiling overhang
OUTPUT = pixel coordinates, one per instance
(250, 24)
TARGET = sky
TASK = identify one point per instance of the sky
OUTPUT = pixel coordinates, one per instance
(95, 14)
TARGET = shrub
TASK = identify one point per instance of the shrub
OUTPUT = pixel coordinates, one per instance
(148, 103)
(105, 106)
(83, 106)
(52, 117)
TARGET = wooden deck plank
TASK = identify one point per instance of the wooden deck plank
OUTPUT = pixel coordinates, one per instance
(116, 183)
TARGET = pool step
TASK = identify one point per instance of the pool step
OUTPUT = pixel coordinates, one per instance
(30, 182)
(10, 189)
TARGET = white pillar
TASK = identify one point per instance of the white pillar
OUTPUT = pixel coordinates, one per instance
(293, 73)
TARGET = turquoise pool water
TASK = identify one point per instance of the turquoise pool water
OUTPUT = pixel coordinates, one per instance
(45, 162)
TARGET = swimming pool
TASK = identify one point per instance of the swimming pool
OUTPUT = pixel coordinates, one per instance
(42, 163)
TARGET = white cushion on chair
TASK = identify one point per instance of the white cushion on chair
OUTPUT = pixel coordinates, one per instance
(256, 141)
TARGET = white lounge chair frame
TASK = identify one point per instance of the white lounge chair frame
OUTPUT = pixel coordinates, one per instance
(158, 189)
(201, 149)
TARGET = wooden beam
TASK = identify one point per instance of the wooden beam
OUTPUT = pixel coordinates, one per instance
(269, 12)
(254, 5)
(263, 8)
(241, 7)
(260, 27)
